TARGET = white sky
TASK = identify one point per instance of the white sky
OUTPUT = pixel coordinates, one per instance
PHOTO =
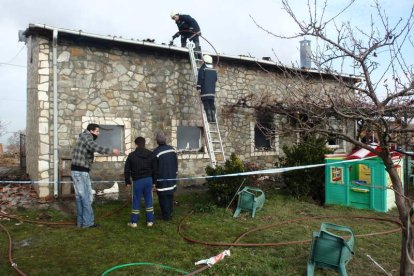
(225, 23)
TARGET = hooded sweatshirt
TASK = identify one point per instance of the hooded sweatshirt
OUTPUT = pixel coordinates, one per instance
(140, 164)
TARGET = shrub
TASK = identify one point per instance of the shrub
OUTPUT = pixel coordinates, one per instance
(223, 189)
(306, 182)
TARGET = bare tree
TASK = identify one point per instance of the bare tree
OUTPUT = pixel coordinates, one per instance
(328, 102)
(3, 127)
(14, 142)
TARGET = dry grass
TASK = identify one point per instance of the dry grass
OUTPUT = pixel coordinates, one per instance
(9, 160)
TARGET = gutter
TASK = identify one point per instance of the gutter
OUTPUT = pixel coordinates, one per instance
(55, 117)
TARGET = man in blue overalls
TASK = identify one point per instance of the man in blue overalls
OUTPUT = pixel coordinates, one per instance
(141, 166)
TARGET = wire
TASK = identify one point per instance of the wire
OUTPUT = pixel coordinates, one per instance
(9, 64)
(13, 58)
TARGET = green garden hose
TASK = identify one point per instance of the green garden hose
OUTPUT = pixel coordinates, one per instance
(141, 264)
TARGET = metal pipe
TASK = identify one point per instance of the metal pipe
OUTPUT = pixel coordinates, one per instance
(55, 116)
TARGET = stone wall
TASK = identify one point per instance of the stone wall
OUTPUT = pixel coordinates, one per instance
(143, 89)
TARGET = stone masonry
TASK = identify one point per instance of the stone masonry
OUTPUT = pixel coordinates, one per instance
(143, 89)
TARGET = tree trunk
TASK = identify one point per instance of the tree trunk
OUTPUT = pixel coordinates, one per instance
(406, 267)
(404, 207)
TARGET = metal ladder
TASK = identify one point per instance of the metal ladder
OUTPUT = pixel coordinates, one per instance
(211, 130)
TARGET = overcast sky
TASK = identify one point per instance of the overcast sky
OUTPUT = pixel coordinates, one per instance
(225, 23)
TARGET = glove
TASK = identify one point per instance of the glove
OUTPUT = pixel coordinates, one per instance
(171, 43)
(175, 36)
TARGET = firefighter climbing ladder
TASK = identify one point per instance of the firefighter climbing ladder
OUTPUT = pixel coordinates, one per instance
(212, 132)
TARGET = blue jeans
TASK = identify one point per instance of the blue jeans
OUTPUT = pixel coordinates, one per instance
(84, 199)
(142, 187)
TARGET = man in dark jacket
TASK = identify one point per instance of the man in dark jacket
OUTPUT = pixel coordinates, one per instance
(141, 166)
(206, 85)
(82, 159)
(167, 169)
(188, 29)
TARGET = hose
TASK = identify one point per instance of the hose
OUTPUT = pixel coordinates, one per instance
(143, 264)
(61, 223)
(10, 252)
(205, 39)
(235, 243)
(58, 223)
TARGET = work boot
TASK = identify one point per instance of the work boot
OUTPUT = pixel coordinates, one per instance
(213, 116)
(209, 116)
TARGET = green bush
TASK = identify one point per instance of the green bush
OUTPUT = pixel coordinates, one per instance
(306, 182)
(223, 189)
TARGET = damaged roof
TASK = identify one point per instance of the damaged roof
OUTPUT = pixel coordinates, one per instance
(80, 35)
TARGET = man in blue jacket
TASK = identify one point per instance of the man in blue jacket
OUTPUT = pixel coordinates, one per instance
(206, 85)
(188, 29)
(167, 169)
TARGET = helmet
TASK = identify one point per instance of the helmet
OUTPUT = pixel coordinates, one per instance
(207, 59)
(174, 13)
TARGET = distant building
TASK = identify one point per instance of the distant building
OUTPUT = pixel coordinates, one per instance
(133, 88)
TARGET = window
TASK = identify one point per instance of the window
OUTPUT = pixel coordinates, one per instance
(337, 175)
(260, 139)
(263, 129)
(111, 136)
(189, 138)
(334, 141)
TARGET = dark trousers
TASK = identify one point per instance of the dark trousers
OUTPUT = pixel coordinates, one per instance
(210, 109)
(166, 205)
(185, 36)
(142, 187)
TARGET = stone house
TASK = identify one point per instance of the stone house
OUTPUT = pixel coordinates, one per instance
(133, 88)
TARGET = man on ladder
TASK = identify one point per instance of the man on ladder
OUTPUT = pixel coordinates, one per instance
(206, 85)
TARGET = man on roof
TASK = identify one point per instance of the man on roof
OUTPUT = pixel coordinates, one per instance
(187, 28)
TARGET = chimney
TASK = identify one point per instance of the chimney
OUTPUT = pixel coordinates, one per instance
(305, 54)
